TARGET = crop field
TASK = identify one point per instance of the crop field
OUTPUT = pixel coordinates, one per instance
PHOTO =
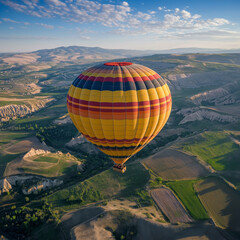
(48, 165)
(171, 164)
(186, 193)
(7, 150)
(46, 159)
(105, 185)
(220, 201)
(217, 149)
(170, 205)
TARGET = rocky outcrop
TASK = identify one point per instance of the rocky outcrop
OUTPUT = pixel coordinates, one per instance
(5, 186)
(42, 185)
(35, 152)
(29, 184)
(198, 114)
(82, 144)
(219, 96)
(7, 183)
(202, 79)
(14, 111)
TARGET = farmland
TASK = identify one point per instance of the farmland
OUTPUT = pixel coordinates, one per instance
(217, 149)
(186, 193)
(178, 161)
(170, 205)
(171, 164)
(220, 201)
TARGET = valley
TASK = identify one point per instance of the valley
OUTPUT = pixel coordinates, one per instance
(67, 186)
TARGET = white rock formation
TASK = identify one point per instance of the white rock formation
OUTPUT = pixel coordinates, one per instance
(82, 144)
(198, 114)
(38, 183)
(218, 96)
(14, 111)
(5, 186)
(35, 152)
(43, 185)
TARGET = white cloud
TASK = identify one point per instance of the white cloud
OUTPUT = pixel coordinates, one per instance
(9, 20)
(47, 26)
(13, 21)
(120, 17)
(185, 14)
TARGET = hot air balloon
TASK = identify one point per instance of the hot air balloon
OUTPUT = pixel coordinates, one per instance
(119, 107)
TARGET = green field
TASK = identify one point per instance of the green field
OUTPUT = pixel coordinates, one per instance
(185, 191)
(217, 149)
(62, 167)
(103, 186)
(46, 159)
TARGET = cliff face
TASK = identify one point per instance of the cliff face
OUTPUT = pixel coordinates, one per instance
(198, 114)
(13, 111)
(217, 96)
(82, 144)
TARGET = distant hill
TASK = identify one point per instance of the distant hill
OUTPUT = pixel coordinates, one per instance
(80, 54)
(76, 54)
(197, 50)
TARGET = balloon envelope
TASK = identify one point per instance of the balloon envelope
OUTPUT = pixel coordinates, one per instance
(119, 107)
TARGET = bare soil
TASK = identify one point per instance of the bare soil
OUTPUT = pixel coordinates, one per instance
(170, 205)
(171, 164)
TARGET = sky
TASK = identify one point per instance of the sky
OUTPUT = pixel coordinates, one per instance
(28, 25)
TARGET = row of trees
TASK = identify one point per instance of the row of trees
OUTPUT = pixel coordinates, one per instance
(19, 222)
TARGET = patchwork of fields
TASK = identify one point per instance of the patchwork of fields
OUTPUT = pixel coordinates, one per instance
(185, 178)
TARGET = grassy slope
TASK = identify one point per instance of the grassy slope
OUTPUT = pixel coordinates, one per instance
(217, 149)
(105, 185)
(185, 191)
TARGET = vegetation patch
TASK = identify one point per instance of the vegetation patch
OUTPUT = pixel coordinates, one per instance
(217, 149)
(46, 159)
(105, 185)
(186, 193)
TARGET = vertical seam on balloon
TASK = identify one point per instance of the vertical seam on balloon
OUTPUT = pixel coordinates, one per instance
(89, 104)
(163, 122)
(113, 120)
(101, 111)
(136, 148)
(133, 151)
(78, 110)
(103, 68)
(124, 93)
(80, 98)
(146, 141)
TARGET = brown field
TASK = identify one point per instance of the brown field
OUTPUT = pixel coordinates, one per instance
(91, 224)
(24, 145)
(170, 205)
(74, 218)
(221, 202)
(171, 164)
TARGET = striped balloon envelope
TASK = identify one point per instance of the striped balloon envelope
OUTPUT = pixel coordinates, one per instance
(119, 107)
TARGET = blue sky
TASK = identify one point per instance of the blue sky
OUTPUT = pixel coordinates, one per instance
(27, 25)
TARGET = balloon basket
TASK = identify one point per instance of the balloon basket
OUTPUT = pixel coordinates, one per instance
(119, 168)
